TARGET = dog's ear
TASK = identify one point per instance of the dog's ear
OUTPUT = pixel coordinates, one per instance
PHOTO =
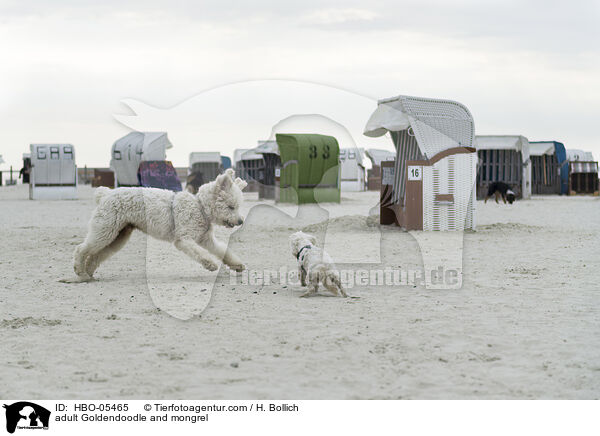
(312, 239)
(295, 239)
(241, 183)
(224, 181)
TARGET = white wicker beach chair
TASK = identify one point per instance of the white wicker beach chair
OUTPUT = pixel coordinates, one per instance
(435, 158)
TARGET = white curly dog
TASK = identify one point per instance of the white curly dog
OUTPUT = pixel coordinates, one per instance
(179, 217)
(315, 264)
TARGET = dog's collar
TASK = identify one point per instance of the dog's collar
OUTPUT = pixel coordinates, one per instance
(300, 251)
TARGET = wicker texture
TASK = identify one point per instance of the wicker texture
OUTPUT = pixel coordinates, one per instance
(453, 175)
(439, 124)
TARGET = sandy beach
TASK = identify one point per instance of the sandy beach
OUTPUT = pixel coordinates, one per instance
(524, 325)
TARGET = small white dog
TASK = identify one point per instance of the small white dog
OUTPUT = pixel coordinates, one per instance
(178, 217)
(314, 263)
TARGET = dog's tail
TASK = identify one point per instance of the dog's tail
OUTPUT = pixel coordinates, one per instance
(100, 193)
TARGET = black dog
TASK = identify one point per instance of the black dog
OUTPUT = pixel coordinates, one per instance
(500, 189)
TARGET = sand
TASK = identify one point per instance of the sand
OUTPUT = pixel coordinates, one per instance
(525, 323)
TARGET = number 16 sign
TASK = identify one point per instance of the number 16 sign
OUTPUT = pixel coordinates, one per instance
(415, 173)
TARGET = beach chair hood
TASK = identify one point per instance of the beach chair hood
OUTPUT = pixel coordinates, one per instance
(437, 125)
(136, 147)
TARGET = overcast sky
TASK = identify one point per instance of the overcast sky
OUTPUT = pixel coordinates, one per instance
(521, 67)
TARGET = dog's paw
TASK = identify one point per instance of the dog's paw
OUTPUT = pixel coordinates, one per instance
(238, 267)
(210, 265)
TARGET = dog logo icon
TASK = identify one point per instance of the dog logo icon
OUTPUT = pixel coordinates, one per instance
(26, 415)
